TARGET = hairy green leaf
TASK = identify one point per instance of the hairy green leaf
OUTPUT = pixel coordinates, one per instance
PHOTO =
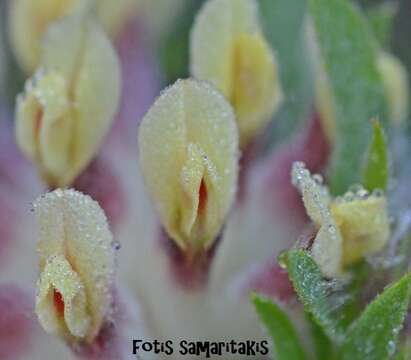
(348, 51)
(376, 167)
(285, 339)
(324, 349)
(374, 335)
(318, 295)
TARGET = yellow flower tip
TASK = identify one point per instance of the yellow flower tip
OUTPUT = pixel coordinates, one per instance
(29, 21)
(77, 263)
(67, 109)
(395, 80)
(188, 143)
(114, 15)
(350, 227)
(229, 50)
(256, 91)
(364, 225)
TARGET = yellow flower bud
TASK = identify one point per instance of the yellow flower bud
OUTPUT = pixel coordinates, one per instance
(30, 19)
(188, 145)
(28, 22)
(74, 291)
(327, 245)
(67, 108)
(350, 227)
(229, 50)
(395, 80)
(364, 226)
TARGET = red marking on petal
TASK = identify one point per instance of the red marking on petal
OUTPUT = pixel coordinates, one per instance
(38, 122)
(202, 197)
(58, 302)
(16, 324)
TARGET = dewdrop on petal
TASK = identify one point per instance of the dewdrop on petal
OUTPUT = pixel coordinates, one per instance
(77, 264)
(327, 245)
(188, 144)
(29, 21)
(350, 227)
(395, 80)
(229, 50)
(69, 104)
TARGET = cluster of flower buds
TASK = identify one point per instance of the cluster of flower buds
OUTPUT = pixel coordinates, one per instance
(189, 146)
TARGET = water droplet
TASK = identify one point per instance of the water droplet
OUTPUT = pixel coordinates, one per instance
(283, 259)
(318, 179)
(391, 347)
(116, 245)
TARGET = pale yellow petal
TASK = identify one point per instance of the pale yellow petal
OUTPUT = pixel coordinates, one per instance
(76, 260)
(395, 80)
(364, 225)
(256, 90)
(228, 49)
(68, 108)
(328, 244)
(96, 94)
(58, 282)
(42, 130)
(28, 22)
(188, 149)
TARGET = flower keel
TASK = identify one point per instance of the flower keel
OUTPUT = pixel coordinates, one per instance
(77, 266)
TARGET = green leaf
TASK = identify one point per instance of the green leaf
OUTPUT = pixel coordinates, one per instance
(381, 18)
(348, 50)
(324, 349)
(374, 335)
(376, 167)
(283, 23)
(318, 295)
(285, 339)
